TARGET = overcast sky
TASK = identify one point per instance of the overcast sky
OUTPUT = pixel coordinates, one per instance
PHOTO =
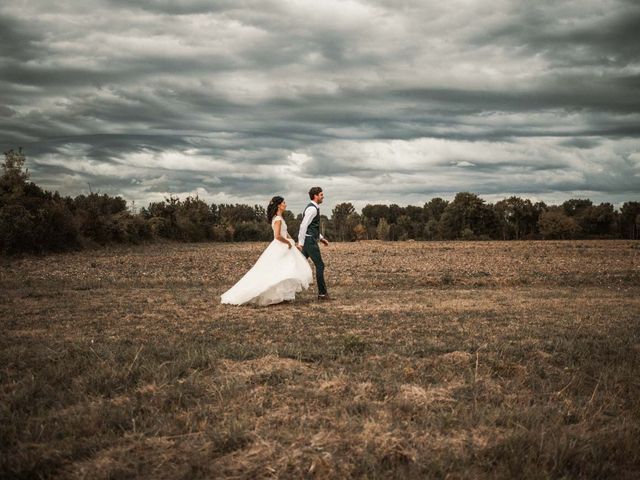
(375, 101)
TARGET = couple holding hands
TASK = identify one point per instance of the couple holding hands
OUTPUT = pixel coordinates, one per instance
(282, 270)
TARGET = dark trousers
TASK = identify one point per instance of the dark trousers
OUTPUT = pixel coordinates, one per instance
(312, 249)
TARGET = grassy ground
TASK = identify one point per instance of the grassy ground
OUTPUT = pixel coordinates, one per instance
(443, 359)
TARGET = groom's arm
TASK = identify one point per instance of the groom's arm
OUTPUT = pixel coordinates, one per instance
(309, 213)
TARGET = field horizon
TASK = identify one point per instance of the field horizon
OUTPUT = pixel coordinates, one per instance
(440, 359)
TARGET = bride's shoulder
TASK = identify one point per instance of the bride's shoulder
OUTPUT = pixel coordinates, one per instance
(276, 218)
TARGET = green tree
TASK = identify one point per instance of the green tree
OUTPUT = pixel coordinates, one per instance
(394, 212)
(382, 230)
(598, 220)
(555, 224)
(193, 219)
(233, 214)
(431, 231)
(340, 217)
(94, 215)
(371, 216)
(630, 220)
(576, 206)
(516, 216)
(417, 221)
(353, 220)
(434, 209)
(468, 212)
(404, 227)
(163, 217)
(14, 177)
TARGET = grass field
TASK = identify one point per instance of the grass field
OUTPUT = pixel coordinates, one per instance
(439, 359)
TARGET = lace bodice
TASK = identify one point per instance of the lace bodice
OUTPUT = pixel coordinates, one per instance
(283, 226)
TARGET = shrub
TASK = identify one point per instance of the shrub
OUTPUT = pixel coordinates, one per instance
(16, 230)
(128, 228)
(55, 228)
(94, 226)
(359, 232)
(217, 233)
(467, 234)
(250, 231)
(158, 226)
(190, 230)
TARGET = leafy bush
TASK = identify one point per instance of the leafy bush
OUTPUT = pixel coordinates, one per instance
(31, 219)
(55, 228)
(128, 228)
(467, 234)
(16, 229)
(252, 232)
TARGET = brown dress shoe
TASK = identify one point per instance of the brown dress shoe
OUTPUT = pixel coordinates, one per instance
(324, 297)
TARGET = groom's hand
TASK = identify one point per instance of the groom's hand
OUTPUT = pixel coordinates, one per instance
(325, 242)
(299, 247)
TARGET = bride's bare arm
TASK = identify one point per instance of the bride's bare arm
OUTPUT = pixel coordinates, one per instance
(276, 228)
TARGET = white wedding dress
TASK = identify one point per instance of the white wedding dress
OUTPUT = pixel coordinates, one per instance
(277, 275)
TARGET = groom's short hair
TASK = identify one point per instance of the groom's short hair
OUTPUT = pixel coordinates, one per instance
(314, 191)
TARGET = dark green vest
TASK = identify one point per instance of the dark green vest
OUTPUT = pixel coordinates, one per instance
(314, 227)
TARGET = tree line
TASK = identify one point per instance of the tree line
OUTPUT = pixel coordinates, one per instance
(35, 220)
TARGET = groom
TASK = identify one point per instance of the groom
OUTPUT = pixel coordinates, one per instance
(309, 236)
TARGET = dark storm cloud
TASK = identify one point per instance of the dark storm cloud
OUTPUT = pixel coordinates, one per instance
(395, 100)
(605, 34)
(184, 7)
(585, 143)
(19, 39)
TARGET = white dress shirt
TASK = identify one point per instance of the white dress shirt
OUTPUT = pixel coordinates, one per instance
(309, 214)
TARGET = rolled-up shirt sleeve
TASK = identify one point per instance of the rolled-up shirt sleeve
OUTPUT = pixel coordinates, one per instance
(309, 214)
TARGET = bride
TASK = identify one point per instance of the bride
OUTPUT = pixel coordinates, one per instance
(279, 273)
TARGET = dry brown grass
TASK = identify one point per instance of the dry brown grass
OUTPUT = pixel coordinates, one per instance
(443, 359)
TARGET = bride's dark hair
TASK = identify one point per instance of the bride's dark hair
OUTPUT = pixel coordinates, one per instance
(272, 208)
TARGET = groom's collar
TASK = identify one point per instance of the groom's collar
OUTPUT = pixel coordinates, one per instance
(317, 206)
